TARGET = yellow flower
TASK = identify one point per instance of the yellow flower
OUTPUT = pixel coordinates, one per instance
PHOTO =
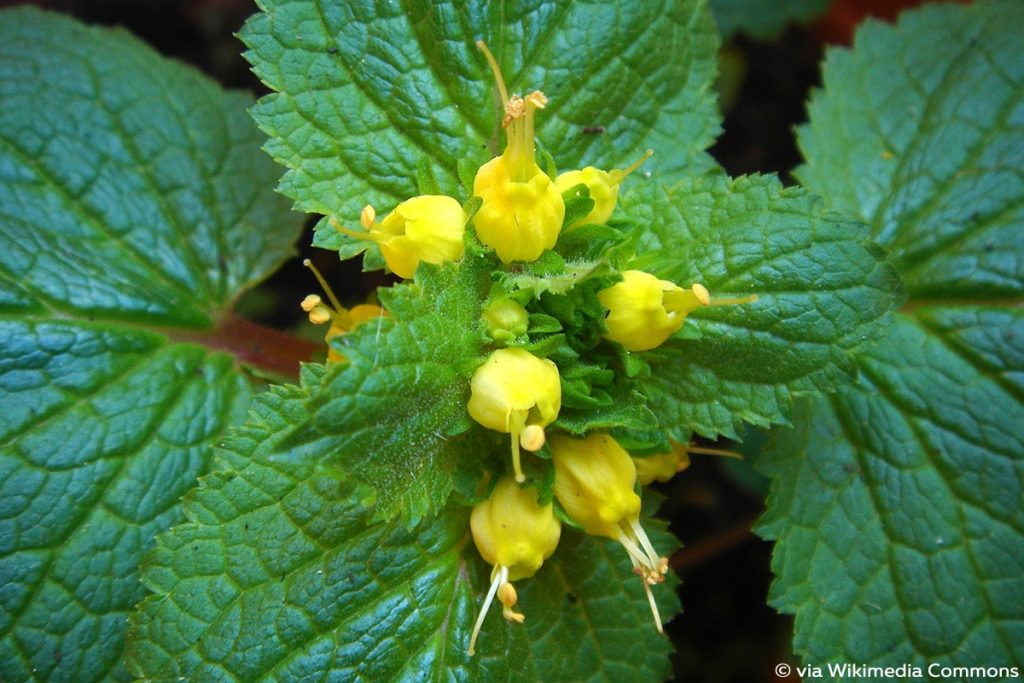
(342, 321)
(602, 185)
(594, 481)
(426, 228)
(522, 210)
(519, 394)
(644, 311)
(514, 534)
(664, 466)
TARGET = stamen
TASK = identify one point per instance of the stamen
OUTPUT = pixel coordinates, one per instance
(534, 101)
(701, 450)
(537, 99)
(323, 283)
(532, 438)
(508, 597)
(499, 578)
(654, 607)
(652, 554)
(493, 63)
(515, 109)
(517, 466)
(731, 302)
(368, 234)
(638, 556)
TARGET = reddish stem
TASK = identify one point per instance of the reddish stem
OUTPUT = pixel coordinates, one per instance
(261, 347)
(713, 546)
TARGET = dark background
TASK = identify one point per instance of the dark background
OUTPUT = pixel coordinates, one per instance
(727, 633)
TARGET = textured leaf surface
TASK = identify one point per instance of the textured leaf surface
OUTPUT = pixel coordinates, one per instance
(393, 415)
(821, 291)
(897, 504)
(280, 575)
(763, 18)
(364, 90)
(133, 195)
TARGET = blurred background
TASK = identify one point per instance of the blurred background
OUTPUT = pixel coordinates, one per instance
(727, 633)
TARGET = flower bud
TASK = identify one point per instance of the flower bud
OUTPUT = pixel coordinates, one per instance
(514, 534)
(662, 466)
(519, 394)
(594, 481)
(505, 320)
(522, 210)
(644, 311)
(425, 228)
(602, 185)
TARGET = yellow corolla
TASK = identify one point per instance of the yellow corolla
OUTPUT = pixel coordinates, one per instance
(603, 187)
(519, 394)
(644, 311)
(425, 228)
(594, 481)
(522, 210)
(514, 534)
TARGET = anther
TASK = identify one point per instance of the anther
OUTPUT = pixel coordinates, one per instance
(702, 293)
(508, 597)
(323, 283)
(532, 438)
(310, 302)
(367, 216)
(320, 315)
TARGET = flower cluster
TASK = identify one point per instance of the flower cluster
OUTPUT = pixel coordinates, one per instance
(520, 213)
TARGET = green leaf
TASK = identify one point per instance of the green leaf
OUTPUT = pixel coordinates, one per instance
(281, 575)
(628, 412)
(134, 206)
(922, 463)
(822, 289)
(392, 416)
(363, 90)
(763, 18)
(927, 152)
